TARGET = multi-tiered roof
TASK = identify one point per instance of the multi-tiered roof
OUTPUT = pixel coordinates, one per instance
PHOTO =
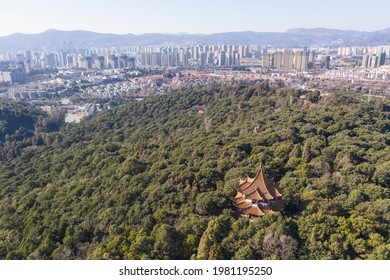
(258, 196)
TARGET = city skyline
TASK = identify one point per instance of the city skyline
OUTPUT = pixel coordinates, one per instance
(202, 17)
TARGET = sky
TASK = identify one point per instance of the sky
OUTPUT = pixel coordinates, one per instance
(182, 16)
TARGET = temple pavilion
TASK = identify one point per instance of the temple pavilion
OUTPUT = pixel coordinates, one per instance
(258, 196)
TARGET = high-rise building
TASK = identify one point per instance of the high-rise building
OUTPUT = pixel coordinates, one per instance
(305, 61)
(88, 62)
(257, 52)
(61, 58)
(230, 58)
(165, 59)
(221, 58)
(324, 61)
(266, 60)
(298, 60)
(203, 57)
(145, 59)
(80, 61)
(27, 67)
(210, 57)
(382, 59)
(195, 53)
(288, 61)
(378, 51)
(277, 60)
(301, 60)
(13, 74)
(241, 50)
(28, 55)
(123, 61)
(51, 60)
(311, 59)
(183, 58)
(237, 58)
(99, 62)
(365, 62)
(373, 60)
(112, 62)
(69, 61)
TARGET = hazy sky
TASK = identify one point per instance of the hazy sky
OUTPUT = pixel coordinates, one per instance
(202, 16)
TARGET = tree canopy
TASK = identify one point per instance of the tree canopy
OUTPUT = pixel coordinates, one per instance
(154, 179)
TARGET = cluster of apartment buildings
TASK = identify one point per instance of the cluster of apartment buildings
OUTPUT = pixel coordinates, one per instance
(14, 66)
(92, 61)
(372, 57)
(208, 55)
(87, 59)
(299, 60)
(373, 60)
(12, 73)
(360, 50)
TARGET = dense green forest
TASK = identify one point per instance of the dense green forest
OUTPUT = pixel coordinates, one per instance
(19, 121)
(155, 179)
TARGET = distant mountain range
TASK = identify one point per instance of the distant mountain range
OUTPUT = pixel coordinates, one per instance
(51, 40)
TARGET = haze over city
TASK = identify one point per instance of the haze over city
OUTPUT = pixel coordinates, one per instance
(174, 16)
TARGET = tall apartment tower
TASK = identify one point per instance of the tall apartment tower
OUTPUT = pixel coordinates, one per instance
(241, 51)
(203, 58)
(99, 62)
(288, 60)
(221, 58)
(298, 60)
(266, 60)
(277, 60)
(237, 58)
(365, 62)
(381, 59)
(195, 53)
(324, 61)
(373, 60)
(311, 59)
(301, 60)
(183, 56)
(305, 61)
(210, 57)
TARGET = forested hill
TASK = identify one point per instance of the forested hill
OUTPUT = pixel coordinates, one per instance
(155, 179)
(17, 119)
(18, 123)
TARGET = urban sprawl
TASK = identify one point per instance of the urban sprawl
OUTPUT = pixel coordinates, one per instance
(83, 81)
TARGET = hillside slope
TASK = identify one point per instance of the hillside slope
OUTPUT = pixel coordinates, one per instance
(154, 180)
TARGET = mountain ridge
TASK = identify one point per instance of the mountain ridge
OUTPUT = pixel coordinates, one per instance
(52, 39)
